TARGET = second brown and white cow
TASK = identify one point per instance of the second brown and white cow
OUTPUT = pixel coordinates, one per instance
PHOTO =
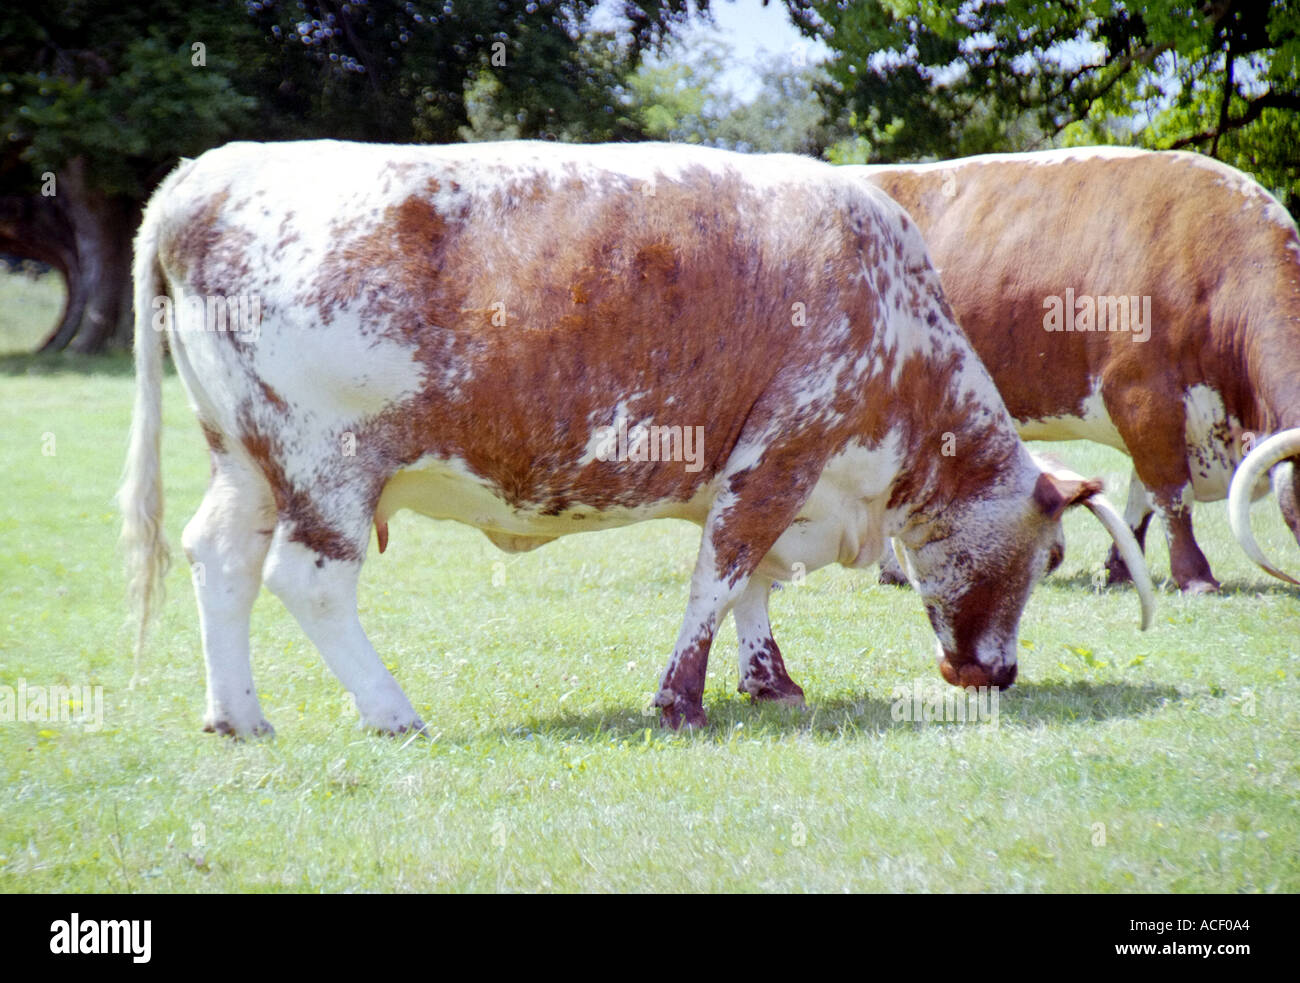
(486, 332)
(1148, 301)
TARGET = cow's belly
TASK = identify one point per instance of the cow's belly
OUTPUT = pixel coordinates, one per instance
(446, 489)
(1211, 473)
(1092, 423)
(842, 520)
(1213, 439)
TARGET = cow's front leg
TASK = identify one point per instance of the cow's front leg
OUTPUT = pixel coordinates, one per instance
(1187, 563)
(1157, 429)
(891, 574)
(762, 670)
(756, 505)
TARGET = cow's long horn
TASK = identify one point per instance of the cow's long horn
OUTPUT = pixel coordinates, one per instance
(1129, 549)
(900, 555)
(1258, 463)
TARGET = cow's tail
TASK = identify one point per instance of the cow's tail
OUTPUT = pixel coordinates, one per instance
(140, 497)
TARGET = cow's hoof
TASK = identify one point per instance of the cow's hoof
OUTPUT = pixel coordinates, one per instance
(892, 578)
(1210, 586)
(790, 695)
(678, 710)
(416, 726)
(1117, 573)
(674, 718)
(393, 725)
(229, 728)
(386, 710)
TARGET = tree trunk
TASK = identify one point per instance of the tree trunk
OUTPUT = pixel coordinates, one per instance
(86, 236)
(102, 227)
(37, 227)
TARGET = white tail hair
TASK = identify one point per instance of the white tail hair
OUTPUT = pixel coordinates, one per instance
(140, 497)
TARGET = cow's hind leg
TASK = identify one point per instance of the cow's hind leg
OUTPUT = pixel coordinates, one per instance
(226, 542)
(762, 670)
(681, 689)
(313, 567)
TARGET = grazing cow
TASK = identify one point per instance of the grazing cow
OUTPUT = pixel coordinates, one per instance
(488, 332)
(1145, 300)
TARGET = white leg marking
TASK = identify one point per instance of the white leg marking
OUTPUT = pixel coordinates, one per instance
(681, 688)
(1138, 505)
(762, 671)
(226, 553)
(322, 594)
(753, 627)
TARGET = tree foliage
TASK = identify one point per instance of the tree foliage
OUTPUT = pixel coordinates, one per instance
(925, 78)
(689, 101)
(106, 96)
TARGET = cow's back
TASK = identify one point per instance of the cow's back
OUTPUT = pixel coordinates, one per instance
(1208, 246)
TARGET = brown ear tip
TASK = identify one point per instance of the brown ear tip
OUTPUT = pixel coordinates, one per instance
(1054, 494)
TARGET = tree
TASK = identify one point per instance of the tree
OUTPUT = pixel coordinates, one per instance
(922, 78)
(785, 116)
(95, 101)
(400, 71)
(688, 101)
(98, 99)
(592, 106)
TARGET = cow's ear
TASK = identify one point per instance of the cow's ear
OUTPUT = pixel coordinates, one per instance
(1053, 494)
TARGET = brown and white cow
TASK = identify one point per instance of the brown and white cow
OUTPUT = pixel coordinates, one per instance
(1145, 300)
(467, 331)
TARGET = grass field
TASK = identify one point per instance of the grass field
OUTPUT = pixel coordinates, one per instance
(1121, 761)
(29, 309)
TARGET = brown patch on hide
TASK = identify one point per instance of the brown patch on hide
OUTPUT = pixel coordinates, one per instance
(273, 398)
(208, 252)
(607, 292)
(216, 440)
(297, 506)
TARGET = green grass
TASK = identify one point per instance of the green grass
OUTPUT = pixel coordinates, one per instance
(545, 773)
(29, 309)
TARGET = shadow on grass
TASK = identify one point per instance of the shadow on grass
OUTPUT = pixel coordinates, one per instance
(1024, 706)
(70, 363)
(1165, 587)
(1086, 579)
(1250, 588)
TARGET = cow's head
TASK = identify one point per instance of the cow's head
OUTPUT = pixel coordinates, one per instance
(975, 567)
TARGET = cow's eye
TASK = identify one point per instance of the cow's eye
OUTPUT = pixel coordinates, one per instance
(1055, 556)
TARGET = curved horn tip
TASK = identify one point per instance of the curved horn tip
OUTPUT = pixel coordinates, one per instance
(1129, 550)
(1263, 458)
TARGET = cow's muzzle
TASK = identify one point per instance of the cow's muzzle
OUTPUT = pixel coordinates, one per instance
(964, 674)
